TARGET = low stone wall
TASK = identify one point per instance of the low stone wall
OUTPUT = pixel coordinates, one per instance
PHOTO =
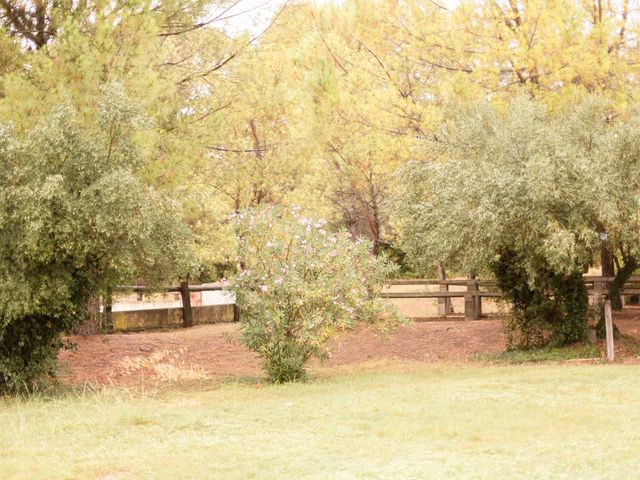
(136, 320)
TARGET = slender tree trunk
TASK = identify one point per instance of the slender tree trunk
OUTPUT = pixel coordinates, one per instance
(93, 321)
(606, 260)
(621, 277)
(607, 269)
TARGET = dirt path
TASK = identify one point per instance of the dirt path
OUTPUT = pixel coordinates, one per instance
(213, 350)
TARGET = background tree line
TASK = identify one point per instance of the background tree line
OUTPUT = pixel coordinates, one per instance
(485, 136)
(320, 104)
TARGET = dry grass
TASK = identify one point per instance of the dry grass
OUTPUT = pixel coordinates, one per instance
(164, 365)
(401, 422)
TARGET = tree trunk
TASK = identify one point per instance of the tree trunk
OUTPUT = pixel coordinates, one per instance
(615, 289)
(606, 259)
(187, 316)
(621, 277)
(92, 324)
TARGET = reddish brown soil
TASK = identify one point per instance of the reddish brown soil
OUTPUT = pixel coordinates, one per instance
(213, 350)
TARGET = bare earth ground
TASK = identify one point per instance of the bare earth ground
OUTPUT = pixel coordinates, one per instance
(212, 351)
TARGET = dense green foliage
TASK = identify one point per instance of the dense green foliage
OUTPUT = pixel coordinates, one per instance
(524, 194)
(74, 221)
(299, 285)
(551, 308)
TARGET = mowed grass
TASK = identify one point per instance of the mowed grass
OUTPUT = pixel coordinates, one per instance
(411, 422)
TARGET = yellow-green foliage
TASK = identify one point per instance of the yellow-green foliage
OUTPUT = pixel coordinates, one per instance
(324, 104)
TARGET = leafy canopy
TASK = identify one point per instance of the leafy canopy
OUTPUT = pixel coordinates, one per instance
(525, 193)
(524, 178)
(74, 220)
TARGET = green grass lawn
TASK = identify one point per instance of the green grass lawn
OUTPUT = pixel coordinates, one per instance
(414, 422)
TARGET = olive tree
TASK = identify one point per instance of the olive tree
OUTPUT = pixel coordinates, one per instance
(74, 221)
(524, 194)
(615, 157)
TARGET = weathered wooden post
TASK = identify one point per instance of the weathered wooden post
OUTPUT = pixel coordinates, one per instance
(444, 304)
(608, 324)
(597, 293)
(187, 316)
(108, 308)
(471, 303)
(606, 268)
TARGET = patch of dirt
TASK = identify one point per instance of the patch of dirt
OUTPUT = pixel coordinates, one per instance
(441, 340)
(213, 351)
(112, 359)
(627, 348)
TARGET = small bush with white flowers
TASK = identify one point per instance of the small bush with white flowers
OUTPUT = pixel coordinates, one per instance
(299, 285)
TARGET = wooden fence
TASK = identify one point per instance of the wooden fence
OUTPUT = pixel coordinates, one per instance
(476, 290)
(185, 291)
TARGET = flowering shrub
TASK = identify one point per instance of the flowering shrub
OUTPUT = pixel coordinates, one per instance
(299, 284)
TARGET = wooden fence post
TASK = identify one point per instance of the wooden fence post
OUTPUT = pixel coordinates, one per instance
(139, 293)
(608, 323)
(187, 316)
(597, 293)
(471, 301)
(108, 308)
(444, 304)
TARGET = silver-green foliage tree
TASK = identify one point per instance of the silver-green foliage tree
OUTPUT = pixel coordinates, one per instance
(524, 194)
(74, 221)
(610, 139)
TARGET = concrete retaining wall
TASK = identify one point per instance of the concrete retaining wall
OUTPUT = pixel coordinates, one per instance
(136, 320)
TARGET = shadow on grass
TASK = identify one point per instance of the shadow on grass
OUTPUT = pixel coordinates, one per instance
(581, 351)
(56, 390)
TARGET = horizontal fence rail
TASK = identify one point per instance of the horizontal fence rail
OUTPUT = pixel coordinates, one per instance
(446, 294)
(429, 281)
(588, 279)
(174, 288)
